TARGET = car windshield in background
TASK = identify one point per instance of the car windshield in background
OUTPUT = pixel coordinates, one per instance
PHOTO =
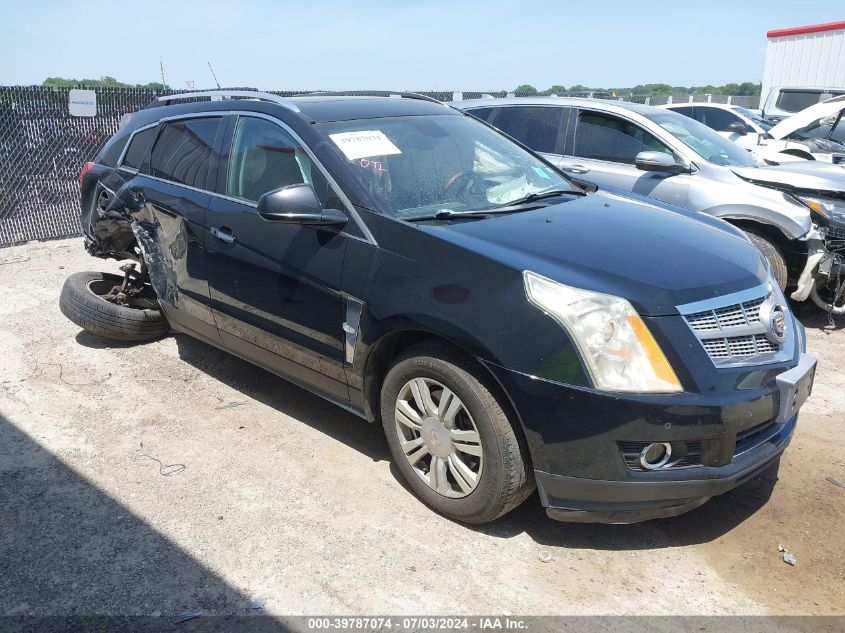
(756, 118)
(416, 166)
(829, 126)
(703, 141)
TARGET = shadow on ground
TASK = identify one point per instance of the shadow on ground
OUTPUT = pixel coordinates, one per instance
(704, 524)
(814, 318)
(67, 548)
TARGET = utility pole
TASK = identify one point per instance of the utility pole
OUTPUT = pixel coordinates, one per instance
(161, 66)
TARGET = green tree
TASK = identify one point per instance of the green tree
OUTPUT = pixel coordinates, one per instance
(525, 89)
(102, 82)
(556, 89)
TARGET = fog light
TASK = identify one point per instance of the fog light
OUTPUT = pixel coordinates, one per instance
(655, 455)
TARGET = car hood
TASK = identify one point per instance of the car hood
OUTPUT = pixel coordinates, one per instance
(831, 107)
(657, 257)
(806, 176)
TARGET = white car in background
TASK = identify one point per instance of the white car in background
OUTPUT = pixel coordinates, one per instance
(812, 134)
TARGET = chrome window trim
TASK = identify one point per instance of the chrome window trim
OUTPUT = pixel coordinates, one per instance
(785, 353)
(350, 208)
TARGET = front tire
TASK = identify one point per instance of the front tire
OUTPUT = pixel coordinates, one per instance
(773, 255)
(451, 438)
(82, 302)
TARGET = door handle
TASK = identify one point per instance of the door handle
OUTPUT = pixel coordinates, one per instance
(224, 234)
(575, 169)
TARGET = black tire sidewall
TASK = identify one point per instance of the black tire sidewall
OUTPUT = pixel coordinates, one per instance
(772, 254)
(104, 319)
(482, 501)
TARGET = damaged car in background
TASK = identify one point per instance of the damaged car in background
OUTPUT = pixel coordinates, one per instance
(507, 326)
(794, 213)
(815, 134)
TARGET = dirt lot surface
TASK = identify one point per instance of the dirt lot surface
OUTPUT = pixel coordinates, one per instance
(128, 486)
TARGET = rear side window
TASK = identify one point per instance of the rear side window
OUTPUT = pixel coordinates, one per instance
(535, 126)
(183, 151)
(797, 100)
(137, 149)
(606, 137)
(716, 118)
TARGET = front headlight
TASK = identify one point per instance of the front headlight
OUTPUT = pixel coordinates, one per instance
(619, 351)
(829, 208)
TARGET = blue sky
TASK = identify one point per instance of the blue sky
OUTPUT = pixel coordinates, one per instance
(398, 44)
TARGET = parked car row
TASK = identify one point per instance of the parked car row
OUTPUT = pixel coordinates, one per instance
(512, 320)
(813, 134)
(794, 212)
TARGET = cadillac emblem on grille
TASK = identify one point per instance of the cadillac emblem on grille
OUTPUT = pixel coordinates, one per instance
(773, 317)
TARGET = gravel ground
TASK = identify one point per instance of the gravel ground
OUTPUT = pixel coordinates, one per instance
(126, 488)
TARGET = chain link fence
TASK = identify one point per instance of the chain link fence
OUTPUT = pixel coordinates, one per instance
(43, 148)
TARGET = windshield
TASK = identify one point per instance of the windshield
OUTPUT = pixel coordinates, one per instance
(827, 126)
(754, 118)
(418, 165)
(703, 141)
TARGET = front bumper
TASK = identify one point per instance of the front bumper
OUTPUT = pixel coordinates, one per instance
(578, 440)
(582, 500)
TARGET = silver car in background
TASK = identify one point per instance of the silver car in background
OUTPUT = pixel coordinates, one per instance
(794, 214)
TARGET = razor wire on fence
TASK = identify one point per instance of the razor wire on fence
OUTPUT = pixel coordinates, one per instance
(43, 148)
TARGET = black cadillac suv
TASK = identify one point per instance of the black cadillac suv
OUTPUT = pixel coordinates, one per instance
(507, 325)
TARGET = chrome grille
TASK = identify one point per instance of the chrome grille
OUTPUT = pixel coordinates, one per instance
(745, 313)
(738, 346)
(732, 331)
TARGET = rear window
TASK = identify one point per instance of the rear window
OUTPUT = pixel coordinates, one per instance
(482, 113)
(797, 100)
(182, 153)
(137, 149)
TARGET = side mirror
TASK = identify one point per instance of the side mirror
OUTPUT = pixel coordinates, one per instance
(658, 161)
(297, 204)
(738, 128)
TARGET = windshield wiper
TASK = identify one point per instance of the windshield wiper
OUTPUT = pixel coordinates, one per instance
(513, 206)
(540, 195)
(448, 214)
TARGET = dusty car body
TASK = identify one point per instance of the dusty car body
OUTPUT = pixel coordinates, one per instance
(505, 324)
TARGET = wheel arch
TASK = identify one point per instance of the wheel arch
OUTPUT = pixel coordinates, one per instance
(793, 251)
(798, 153)
(393, 343)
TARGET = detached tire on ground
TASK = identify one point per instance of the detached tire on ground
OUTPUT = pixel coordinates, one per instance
(772, 254)
(81, 301)
(451, 438)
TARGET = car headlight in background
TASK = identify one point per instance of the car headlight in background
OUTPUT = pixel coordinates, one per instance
(618, 349)
(829, 208)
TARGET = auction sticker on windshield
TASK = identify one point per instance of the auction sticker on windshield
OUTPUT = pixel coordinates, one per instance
(364, 144)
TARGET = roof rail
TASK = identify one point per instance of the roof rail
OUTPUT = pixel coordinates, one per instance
(371, 93)
(219, 95)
